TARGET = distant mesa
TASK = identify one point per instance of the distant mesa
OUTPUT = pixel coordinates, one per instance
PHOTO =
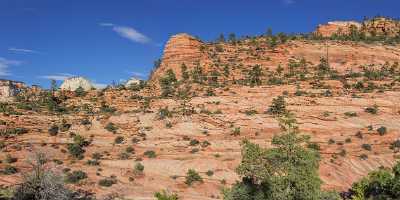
(73, 83)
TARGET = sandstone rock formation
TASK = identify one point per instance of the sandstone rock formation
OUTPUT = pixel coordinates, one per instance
(379, 26)
(181, 48)
(337, 27)
(132, 81)
(9, 89)
(73, 83)
(382, 26)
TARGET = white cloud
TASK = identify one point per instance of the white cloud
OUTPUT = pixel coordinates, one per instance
(19, 50)
(128, 33)
(5, 64)
(57, 77)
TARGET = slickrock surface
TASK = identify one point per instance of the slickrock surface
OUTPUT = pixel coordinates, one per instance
(73, 83)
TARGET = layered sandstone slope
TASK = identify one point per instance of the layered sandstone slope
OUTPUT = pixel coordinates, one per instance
(237, 58)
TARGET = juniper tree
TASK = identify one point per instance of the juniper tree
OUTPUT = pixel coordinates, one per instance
(288, 171)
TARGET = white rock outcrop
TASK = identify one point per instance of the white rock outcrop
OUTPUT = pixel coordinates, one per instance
(132, 81)
(73, 83)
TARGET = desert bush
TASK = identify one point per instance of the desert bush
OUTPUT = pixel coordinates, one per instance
(53, 130)
(250, 112)
(150, 154)
(350, 114)
(107, 109)
(9, 169)
(163, 195)
(86, 122)
(119, 140)
(194, 142)
(236, 131)
(107, 182)
(164, 113)
(138, 169)
(124, 156)
(76, 150)
(382, 130)
(367, 147)
(111, 127)
(372, 110)
(42, 184)
(192, 176)
(10, 132)
(75, 176)
(210, 173)
(130, 150)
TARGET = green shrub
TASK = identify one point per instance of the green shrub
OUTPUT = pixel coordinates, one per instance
(75, 176)
(124, 156)
(150, 154)
(164, 113)
(163, 195)
(372, 110)
(367, 147)
(76, 150)
(80, 92)
(130, 150)
(194, 142)
(192, 176)
(210, 173)
(139, 168)
(382, 130)
(119, 140)
(9, 169)
(107, 182)
(10, 132)
(350, 114)
(236, 131)
(111, 127)
(53, 130)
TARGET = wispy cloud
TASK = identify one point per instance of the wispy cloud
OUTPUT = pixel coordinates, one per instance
(99, 85)
(288, 2)
(57, 77)
(5, 64)
(20, 50)
(128, 32)
(137, 74)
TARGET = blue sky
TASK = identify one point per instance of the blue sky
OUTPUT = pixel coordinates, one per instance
(111, 40)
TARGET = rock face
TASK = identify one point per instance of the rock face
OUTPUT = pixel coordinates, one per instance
(181, 48)
(9, 89)
(379, 26)
(73, 83)
(382, 26)
(337, 27)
